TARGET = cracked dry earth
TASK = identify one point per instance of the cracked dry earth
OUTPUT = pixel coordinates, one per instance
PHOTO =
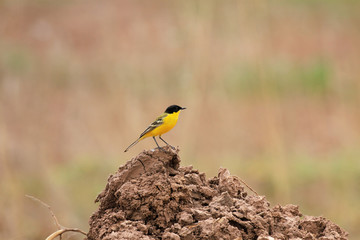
(152, 197)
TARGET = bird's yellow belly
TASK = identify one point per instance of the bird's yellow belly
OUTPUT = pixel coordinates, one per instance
(169, 122)
(163, 128)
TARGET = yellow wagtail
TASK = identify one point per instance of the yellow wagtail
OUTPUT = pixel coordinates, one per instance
(164, 123)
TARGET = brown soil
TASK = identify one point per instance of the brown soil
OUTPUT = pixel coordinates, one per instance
(166, 201)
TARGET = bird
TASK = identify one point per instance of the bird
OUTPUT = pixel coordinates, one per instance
(164, 123)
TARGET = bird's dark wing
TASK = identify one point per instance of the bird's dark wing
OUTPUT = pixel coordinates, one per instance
(155, 124)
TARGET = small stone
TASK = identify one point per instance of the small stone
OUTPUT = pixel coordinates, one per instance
(185, 233)
(265, 238)
(193, 179)
(114, 227)
(142, 227)
(170, 236)
(223, 200)
(207, 192)
(185, 218)
(176, 227)
(201, 215)
(238, 215)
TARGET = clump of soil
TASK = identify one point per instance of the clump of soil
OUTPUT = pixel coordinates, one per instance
(152, 197)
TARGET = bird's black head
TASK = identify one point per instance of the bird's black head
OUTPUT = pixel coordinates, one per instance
(173, 109)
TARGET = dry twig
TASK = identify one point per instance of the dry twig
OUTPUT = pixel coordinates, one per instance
(243, 182)
(61, 229)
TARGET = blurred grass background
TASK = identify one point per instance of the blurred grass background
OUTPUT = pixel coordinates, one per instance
(272, 91)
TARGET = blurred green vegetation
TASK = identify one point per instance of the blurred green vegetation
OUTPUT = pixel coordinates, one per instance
(272, 91)
(282, 80)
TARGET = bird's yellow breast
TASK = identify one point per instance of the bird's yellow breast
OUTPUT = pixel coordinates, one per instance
(168, 123)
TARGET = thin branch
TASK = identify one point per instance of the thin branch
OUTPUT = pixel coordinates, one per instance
(248, 186)
(61, 229)
(49, 208)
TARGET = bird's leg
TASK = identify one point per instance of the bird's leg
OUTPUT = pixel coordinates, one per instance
(166, 142)
(157, 143)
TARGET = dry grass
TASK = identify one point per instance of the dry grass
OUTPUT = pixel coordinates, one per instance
(272, 92)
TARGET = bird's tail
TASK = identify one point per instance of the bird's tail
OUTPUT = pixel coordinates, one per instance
(133, 144)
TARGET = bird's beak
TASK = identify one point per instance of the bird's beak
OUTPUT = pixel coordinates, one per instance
(183, 108)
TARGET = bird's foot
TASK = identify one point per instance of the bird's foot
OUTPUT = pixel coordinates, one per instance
(173, 148)
(160, 148)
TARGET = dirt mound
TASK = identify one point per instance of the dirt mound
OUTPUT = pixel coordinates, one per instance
(152, 197)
